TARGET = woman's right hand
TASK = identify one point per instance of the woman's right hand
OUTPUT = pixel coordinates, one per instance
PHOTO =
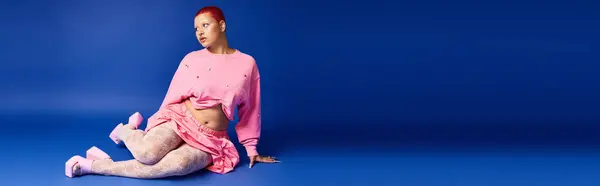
(262, 159)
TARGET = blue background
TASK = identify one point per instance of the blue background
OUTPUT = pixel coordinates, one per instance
(343, 82)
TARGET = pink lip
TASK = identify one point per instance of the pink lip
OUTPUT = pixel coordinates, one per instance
(202, 39)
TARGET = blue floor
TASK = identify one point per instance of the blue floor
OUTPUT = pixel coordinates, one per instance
(37, 147)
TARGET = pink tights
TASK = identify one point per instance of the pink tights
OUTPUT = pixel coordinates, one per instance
(157, 154)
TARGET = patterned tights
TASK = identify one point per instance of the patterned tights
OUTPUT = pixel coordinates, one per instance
(157, 154)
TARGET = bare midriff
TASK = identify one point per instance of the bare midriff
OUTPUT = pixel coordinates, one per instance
(213, 117)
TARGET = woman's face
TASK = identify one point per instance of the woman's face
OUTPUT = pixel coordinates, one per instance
(208, 30)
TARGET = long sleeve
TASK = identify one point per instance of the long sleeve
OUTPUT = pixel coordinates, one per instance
(179, 86)
(249, 125)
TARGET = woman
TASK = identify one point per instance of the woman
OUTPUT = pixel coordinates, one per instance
(188, 132)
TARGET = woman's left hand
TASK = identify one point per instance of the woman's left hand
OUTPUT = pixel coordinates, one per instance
(262, 159)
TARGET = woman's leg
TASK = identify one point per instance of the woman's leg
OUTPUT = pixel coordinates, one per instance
(149, 148)
(181, 161)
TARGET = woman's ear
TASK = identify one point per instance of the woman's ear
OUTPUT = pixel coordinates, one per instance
(222, 25)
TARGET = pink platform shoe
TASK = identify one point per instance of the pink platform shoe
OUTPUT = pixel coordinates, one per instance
(135, 119)
(85, 166)
(94, 153)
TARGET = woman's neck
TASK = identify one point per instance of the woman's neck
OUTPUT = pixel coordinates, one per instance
(221, 47)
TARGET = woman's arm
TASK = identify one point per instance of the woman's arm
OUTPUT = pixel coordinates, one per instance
(249, 125)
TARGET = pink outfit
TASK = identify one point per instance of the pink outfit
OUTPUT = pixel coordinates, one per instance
(208, 79)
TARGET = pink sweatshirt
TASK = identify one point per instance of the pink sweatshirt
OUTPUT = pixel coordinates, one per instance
(232, 80)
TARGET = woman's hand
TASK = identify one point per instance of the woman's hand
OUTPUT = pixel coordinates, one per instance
(262, 159)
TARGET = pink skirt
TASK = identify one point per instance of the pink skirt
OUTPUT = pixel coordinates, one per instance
(216, 143)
